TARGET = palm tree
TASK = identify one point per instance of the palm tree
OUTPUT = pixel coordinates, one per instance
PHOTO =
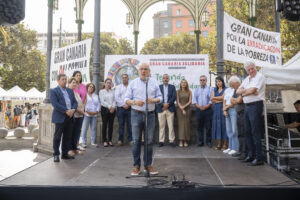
(4, 35)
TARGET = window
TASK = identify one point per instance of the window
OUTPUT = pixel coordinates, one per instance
(166, 24)
(178, 23)
(204, 33)
(192, 33)
(178, 12)
(192, 23)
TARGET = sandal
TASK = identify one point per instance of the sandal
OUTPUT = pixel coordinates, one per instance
(105, 144)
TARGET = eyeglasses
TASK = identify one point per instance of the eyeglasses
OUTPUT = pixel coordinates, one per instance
(91, 86)
(202, 80)
(145, 69)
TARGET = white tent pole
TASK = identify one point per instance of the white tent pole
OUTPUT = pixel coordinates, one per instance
(266, 132)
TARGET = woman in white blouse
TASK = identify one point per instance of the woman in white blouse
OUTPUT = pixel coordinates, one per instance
(231, 118)
(92, 108)
(108, 107)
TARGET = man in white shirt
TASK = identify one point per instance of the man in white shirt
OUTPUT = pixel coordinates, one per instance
(123, 111)
(253, 92)
(136, 98)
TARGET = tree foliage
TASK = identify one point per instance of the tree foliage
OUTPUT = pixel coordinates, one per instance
(174, 44)
(20, 62)
(110, 46)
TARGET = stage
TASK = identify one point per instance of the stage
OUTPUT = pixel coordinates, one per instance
(110, 166)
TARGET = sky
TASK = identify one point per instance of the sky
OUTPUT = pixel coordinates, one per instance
(113, 18)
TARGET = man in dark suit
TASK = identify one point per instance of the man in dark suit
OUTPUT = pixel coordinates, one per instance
(166, 111)
(64, 105)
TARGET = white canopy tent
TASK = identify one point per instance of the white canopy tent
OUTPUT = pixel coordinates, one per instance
(16, 93)
(35, 94)
(289, 73)
(286, 79)
(3, 94)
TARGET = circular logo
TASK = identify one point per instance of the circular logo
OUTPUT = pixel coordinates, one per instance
(124, 66)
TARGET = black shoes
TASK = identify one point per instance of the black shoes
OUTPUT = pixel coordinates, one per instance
(161, 144)
(248, 159)
(200, 144)
(172, 144)
(56, 159)
(209, 145)
(237, 154)
(256, 163)
(66, 157)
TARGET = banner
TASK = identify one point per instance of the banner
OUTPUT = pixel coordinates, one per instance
(66, 60)
(246, 43)
(178, 67)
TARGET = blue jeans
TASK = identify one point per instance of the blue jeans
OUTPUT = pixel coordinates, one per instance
(253, 128)
(204, 117)
(88, 121)
(138, 126)
(231, 129)
(124, 116)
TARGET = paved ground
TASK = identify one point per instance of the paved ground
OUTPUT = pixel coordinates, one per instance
(14, 161)
(110, 167)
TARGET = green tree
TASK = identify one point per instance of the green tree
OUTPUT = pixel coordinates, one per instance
(109, 46)
(174, 44)
(21, 63)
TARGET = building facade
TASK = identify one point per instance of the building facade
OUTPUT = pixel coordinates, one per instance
(177, 19)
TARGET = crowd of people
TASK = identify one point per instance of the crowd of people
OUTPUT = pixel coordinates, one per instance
(21, 115)
(231, 116)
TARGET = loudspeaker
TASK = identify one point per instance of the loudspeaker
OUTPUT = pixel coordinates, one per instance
(11, 11)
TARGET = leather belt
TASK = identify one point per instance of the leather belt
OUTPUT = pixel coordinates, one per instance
(253, 103)
(143, 112)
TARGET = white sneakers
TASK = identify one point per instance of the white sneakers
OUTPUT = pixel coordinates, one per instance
(226, 150)
(232, 152)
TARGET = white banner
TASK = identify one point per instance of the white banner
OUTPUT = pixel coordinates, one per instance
(66, 60)
(178, 67)
(246, 43)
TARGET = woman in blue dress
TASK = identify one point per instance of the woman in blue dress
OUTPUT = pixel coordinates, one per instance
(218, 124)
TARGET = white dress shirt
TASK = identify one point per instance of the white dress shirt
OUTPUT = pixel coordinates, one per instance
(257, 82)
(92, 104)
(107, 98)
(120, 95)
(228, 95)
(137, 91)
(166, 87)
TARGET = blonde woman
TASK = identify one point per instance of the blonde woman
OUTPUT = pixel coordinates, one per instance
(184, 100)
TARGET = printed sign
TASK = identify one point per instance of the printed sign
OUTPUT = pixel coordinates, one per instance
(66, 60)
(246, 43)
(178, 67)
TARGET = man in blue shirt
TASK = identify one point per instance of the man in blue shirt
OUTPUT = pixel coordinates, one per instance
(64, 105)
(166, 111)
(201, 99)
(136, 98)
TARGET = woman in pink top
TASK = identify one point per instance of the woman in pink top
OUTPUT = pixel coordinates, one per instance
(81, 89)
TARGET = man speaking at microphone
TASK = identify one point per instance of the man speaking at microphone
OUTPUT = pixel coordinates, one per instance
(136, 98)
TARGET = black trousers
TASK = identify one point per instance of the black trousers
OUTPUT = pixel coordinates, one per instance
(241, 131)
(63, 130)
(107, 119)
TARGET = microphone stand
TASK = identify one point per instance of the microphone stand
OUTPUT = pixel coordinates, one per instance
(146, 131)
